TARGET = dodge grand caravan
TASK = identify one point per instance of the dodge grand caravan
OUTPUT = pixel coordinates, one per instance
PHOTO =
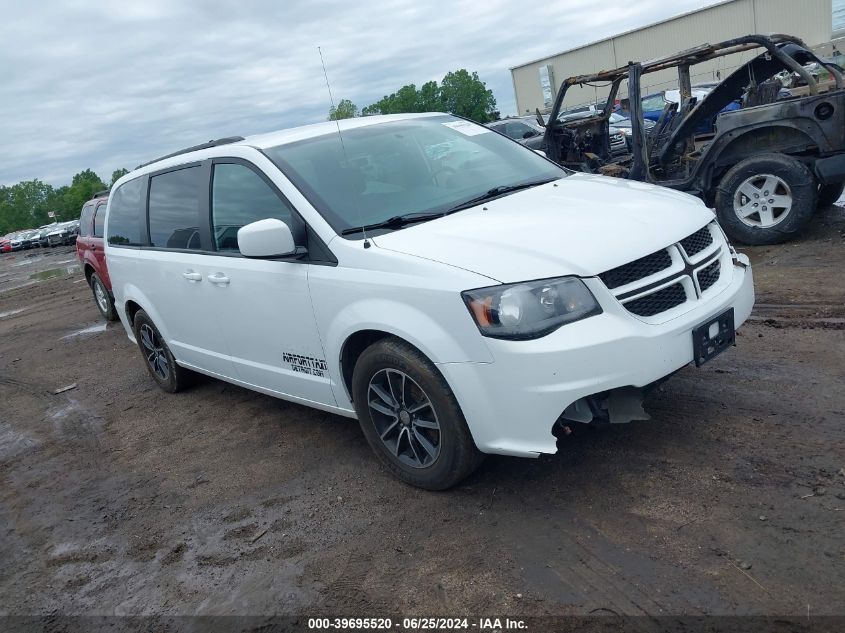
(455, 292)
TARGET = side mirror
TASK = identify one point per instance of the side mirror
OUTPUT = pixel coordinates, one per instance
(541, 153)
(529, 134)
(266, 238)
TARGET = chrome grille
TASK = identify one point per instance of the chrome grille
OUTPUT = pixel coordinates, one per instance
(636, 270)
(617, 141)
(697, 242)
(657, 302)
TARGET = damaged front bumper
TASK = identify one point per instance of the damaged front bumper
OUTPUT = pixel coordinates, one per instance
(605, 362)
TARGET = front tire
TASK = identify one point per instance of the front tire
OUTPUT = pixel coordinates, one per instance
(102, 298)
(766, 199)
(411, 418)
(157, 355)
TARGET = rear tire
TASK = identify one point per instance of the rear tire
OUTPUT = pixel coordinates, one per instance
(102, 298)
(158, 358)
(411, 418)
(829, 194)
(766, 199)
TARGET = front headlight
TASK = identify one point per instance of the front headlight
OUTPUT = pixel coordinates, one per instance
(531, 309)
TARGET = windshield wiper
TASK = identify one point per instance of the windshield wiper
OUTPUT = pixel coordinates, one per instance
(495, 192)
(395, 222)
(399, 221)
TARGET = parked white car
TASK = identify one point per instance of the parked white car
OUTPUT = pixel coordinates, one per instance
(456, 292)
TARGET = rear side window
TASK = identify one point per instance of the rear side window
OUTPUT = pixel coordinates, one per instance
(125, 215)
(85, 220)
(240, 196)
(174, 209)
(99, 220)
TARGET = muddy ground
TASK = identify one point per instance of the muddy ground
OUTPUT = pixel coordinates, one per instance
(116, 498)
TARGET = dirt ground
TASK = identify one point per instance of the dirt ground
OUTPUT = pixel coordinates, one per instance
(116, 498)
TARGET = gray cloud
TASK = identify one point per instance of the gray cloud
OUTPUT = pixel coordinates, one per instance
(106, 85)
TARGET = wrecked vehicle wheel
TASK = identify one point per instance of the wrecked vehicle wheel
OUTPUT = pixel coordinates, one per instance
(829, 194)
(766, 199)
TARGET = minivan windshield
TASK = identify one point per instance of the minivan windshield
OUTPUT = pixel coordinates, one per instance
(418, 167)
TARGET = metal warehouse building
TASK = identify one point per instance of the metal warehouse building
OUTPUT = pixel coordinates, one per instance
(535, 83)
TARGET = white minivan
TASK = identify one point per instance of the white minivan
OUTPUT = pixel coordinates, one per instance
(455, 292)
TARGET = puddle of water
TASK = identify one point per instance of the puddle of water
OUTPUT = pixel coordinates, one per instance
(52, 273)
(10, 312)
(91, 329)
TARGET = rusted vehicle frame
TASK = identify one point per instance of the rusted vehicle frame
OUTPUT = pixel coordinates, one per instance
(777, 49)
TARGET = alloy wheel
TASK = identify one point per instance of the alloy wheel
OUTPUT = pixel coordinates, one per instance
(101, 297)
(404, 418)
(763, 201)
(154, 352)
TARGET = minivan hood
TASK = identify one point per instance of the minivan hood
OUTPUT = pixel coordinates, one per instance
(580, 225)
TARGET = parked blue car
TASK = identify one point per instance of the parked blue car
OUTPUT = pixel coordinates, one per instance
(654, 104)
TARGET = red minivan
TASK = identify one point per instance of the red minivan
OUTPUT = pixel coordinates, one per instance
(92, 257)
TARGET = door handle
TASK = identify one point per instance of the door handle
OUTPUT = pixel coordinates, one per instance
(190, 275)
(219, 279)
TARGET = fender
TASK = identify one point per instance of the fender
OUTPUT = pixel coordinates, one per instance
(463, 344)
(131, 292)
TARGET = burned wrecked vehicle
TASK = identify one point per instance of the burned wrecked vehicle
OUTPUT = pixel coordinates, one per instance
(766, 165)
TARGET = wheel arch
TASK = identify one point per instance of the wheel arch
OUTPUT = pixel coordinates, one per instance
(351, 350)
(132, 301)
(346, 338)
(357, 343)
(777, 138)
(131, 308)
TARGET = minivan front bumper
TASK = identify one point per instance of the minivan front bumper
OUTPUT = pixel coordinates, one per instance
(512, 404)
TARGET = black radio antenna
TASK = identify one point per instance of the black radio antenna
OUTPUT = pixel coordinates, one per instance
(340, 136)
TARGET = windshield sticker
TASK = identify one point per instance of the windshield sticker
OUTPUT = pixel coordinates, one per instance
(466, 128)
(305, 364)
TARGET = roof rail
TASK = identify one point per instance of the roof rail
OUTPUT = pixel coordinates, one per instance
(214, 143)
(102, 193)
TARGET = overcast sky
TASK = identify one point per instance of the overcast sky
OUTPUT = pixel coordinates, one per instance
(101, 84)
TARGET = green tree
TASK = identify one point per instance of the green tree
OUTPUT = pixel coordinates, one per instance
(460, 93)
(406, 99)
(117, 174)
(466, 95)
(24, 205)
(429, 99)
(82, 188)
(344, 110)
(56, 202)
